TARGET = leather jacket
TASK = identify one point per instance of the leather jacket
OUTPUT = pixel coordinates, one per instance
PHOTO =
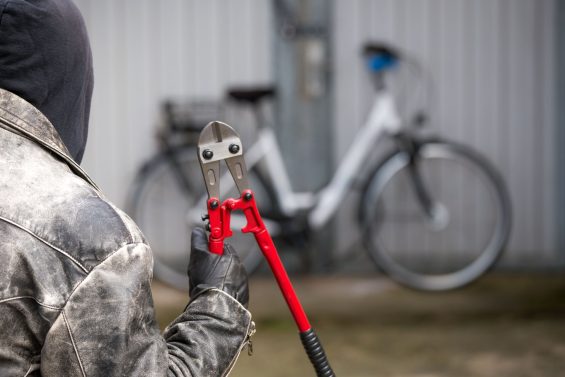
(75, 275)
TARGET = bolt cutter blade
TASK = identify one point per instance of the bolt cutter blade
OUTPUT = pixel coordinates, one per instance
(217, 142)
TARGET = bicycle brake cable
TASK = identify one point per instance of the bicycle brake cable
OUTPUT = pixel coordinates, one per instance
(218, 142)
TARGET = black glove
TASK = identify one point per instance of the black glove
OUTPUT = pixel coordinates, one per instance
(208, 270)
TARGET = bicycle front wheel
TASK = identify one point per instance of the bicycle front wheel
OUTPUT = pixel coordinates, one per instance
(437, 219)
(167, 202)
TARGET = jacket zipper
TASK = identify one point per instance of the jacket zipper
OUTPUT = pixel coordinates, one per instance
(246, 342)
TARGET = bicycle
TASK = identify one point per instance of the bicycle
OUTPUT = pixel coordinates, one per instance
(411, 218)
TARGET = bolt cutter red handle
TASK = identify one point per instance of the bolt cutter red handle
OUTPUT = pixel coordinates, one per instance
(217, 142)
(219, 216)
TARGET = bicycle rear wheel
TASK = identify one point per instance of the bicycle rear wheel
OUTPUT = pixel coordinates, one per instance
(167, 201)
(438, 219)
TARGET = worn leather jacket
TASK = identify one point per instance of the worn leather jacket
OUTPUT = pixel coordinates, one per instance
(75, 275)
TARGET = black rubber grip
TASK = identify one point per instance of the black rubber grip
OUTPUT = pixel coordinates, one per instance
(316, 354)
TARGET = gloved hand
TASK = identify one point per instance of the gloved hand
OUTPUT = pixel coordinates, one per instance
(207, 270)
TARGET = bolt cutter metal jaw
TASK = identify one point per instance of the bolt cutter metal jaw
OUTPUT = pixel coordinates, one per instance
(218, 142)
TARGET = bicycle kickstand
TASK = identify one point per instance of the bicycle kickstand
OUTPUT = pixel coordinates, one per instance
(218, 142)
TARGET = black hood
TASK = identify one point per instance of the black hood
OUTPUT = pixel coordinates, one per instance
(45, 58)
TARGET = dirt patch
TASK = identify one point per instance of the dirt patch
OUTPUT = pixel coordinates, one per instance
(504, 325)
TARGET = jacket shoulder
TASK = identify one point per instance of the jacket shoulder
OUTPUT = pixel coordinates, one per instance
(41, 195)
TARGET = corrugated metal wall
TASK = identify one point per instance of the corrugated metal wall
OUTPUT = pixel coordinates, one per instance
(560, 124)
(492, 62)
(145, 51)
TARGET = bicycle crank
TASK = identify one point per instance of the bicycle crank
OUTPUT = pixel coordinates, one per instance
(218, 142)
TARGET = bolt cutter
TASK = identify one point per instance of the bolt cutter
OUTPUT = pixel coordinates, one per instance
(218, 142)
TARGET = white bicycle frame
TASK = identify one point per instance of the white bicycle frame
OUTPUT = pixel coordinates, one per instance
(383, 118)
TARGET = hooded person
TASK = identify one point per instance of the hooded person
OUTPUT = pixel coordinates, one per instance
(75, 271)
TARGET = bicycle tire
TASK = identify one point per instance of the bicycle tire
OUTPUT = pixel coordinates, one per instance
(166, 211)
(389, 204)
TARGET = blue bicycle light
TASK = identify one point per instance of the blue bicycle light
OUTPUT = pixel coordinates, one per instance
(380, 62)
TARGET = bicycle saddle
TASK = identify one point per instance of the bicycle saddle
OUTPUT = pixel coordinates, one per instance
(382, 49)
(251, 95)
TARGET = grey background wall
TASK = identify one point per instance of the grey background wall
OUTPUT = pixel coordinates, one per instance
(560, 125)
(493, 65)
(492, 62)
(145, 51)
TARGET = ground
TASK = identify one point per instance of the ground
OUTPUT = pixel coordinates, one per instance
(503, 325)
